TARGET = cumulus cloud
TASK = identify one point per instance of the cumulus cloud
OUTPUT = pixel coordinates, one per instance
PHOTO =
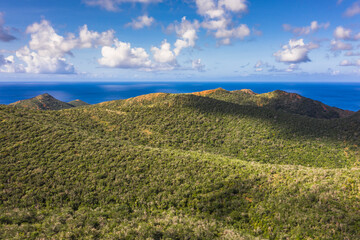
(216, 9)
(141, 22)
(113, 5)
(298, 31)
(164, 55)
(351, 54)
(39, 63)
(7, 64)
(187, 33)
(122, 55)
(91, 39)
(347, 63)
(345, 34)
(5, 35)
(353, 10)
(197, 65)
(47, 50)
(295, 52)
(218, 18)
(337, 45)
(226, 34)
(234, 5)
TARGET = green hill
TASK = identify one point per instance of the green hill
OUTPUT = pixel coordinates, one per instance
(279, 100)
(78, 103)
(177, 166)
(47, 102)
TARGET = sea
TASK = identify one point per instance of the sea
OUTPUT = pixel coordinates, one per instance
(341, 95)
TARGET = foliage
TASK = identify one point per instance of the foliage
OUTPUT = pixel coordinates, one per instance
(167, 166)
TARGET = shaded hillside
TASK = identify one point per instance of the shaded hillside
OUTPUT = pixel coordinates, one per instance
(177, 166)
(78, 103)
(47, 102)
(278, 100)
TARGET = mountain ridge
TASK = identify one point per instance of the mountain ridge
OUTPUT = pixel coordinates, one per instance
(279, 100)
(178, 166)
(47, 102)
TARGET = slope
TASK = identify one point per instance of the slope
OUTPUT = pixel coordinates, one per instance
(47, 102)
(42, 102)
(177, 166)
(278, 100)
(78, 103)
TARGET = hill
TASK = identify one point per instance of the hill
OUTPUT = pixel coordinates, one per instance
(177, 166)
(78, 103)
(279, 100)
(47, 102)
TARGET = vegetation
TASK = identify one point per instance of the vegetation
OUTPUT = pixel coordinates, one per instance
(178, 166)
(47, 102)
(78, 103)
(279, 100)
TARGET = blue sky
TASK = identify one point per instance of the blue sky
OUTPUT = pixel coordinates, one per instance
(212, 40)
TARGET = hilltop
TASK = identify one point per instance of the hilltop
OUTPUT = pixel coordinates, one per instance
(47, 102)
(78, 103)
(178, 166)
(278, 100)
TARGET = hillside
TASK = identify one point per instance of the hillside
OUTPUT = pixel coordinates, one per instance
(279, 100)
(178, 166)
(47, 102)
(78, 103)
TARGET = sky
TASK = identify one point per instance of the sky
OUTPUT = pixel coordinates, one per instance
(191, 40)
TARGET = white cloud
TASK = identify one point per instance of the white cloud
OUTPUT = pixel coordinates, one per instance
(221, 23)
(234, 5)
(7, 65)
(46, 42)
(91, 39)
(4, 61)
(122, 55)
(260, 66)
(342, 33)
(240, 32)
(187, 33)
(347, 63)
(298, 31)
(292, 67)
(218, 18)
(345, 34)
(36, 63)
(209, 8)
(337, 45)
(197, 65)
(47, 50)
(164, 54)
(113, 5)
(141, 22)
(295, 52)
(353, 10)
(5, 35)
(351, 54)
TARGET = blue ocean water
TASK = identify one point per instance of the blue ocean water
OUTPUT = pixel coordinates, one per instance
(342, 95)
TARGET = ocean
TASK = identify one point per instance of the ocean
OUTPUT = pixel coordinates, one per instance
(341, 95)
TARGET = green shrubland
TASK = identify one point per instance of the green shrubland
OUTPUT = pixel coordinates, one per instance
(167, 166)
